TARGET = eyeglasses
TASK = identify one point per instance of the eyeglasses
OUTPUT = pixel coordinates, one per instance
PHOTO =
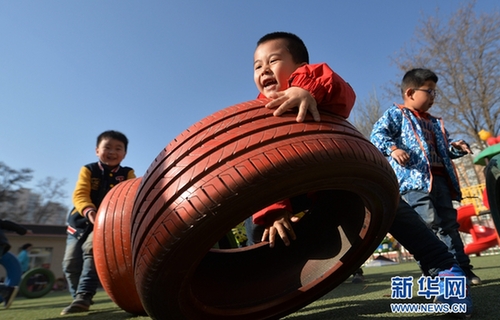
(432, 92)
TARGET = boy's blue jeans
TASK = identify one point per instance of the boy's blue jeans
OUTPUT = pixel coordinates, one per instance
(437, 211)
(412, 233)
(78, 265)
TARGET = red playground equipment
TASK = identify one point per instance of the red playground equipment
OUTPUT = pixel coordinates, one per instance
(482, 237)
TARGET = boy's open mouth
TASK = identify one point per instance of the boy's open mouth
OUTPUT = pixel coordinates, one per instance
(269, 82)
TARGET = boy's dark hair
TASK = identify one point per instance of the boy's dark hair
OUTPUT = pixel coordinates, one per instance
(111, 134)
(295, 45)
(26, 246)
(416, 78)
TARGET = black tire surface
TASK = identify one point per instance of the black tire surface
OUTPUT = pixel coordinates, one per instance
(492, 174)
(227, 167)
(42, 275)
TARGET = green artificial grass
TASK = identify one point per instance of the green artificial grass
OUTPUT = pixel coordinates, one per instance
(370, 299)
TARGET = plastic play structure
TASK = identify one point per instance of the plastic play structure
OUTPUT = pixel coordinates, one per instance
(490, 158)
(483, 237)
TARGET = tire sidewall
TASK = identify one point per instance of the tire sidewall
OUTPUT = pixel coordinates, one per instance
(23, 286)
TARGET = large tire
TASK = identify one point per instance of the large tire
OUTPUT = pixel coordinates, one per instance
(112, 246)
(37, 282)
(492, 173)
(227, 167)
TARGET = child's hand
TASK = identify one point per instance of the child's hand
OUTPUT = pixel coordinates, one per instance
(91, 215)
(291, 98)
(461, 145)
(400, 156)
(283, 226)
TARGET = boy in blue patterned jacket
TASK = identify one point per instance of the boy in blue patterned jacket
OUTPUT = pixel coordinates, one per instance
(420, 151)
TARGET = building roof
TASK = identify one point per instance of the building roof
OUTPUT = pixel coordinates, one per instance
(43, 229)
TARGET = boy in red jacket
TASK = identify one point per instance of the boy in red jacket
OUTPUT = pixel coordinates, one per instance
(282, 73)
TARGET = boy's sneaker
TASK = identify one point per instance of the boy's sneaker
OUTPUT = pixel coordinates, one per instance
(358, 278)
(454, 296)
(81, 303)
(473, 279)
(10, 296)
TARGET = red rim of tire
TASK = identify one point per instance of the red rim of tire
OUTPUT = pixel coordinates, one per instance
(112, 246)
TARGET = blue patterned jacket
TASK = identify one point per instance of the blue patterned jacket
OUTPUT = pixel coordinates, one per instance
(400, 128)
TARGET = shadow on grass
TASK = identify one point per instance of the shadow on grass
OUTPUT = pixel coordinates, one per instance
(101, 314)
(370, 299)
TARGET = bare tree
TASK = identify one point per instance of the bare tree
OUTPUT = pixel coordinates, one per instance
(48, 209)
(464, 51)
(22, 205)
(11, 180)
(49, 213)
(366, 113)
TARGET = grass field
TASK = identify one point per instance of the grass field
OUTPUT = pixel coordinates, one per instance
(370, 299)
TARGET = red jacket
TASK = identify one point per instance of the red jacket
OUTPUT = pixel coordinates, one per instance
(332, 94)
(329, 90)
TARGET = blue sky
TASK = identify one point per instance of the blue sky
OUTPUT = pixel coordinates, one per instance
(72, 69)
